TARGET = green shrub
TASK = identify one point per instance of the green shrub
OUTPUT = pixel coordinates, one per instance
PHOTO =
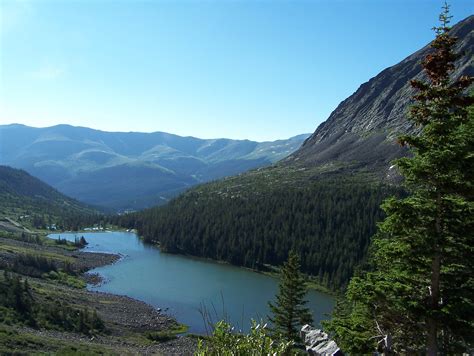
(161, 336)
(225, 342)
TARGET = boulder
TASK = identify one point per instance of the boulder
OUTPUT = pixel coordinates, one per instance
(318, 343)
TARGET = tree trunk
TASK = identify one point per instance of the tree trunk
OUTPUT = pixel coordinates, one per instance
(432, 322)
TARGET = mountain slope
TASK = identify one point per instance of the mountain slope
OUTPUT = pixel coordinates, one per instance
(26, 199)
(323, 200)
(361, 132)
(130, 170)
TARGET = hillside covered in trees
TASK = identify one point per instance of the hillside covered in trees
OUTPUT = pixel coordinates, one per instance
(35, 204)
(328, 222)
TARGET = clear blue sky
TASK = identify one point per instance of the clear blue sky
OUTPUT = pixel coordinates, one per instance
(260, 70)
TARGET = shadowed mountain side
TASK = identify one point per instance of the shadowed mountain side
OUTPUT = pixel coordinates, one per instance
(138, 181)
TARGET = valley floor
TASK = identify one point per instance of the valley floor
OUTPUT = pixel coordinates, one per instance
(128, 322)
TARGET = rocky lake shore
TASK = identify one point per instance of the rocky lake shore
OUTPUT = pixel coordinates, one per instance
(132, 326)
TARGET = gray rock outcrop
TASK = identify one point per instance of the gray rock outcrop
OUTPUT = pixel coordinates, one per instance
(318, 343)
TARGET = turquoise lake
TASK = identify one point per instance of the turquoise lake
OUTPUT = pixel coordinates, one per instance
(182, 286)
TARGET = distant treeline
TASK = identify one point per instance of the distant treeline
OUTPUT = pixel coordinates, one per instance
(329, 223)
(65, 221)
(43, 213)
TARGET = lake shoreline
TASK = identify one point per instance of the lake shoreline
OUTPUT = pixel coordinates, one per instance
(128, 322)
(90, 260)
(122, 313)
(184, 285)
(273, 271)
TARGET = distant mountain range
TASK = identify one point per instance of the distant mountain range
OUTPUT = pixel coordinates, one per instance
(130, 170)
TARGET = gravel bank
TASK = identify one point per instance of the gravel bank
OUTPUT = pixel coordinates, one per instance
(127, 320)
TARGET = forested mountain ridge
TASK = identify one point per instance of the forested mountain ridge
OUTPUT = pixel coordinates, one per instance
(34, 203)
(87, 164)
(362, 131)
(322, 201)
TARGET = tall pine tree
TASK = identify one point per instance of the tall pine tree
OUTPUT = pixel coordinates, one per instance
(418, 295)
(289, 311)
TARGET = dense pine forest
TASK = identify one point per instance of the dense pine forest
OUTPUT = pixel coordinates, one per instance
(328, 222)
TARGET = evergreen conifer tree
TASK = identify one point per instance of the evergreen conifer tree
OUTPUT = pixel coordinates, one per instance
(289, 311)
(418, 296)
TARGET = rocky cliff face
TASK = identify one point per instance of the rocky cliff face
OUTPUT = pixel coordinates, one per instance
(362, 131)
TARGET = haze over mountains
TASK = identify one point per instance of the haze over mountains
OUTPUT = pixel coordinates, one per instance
(130, 170)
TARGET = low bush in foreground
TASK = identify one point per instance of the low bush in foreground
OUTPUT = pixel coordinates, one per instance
(225, 342)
